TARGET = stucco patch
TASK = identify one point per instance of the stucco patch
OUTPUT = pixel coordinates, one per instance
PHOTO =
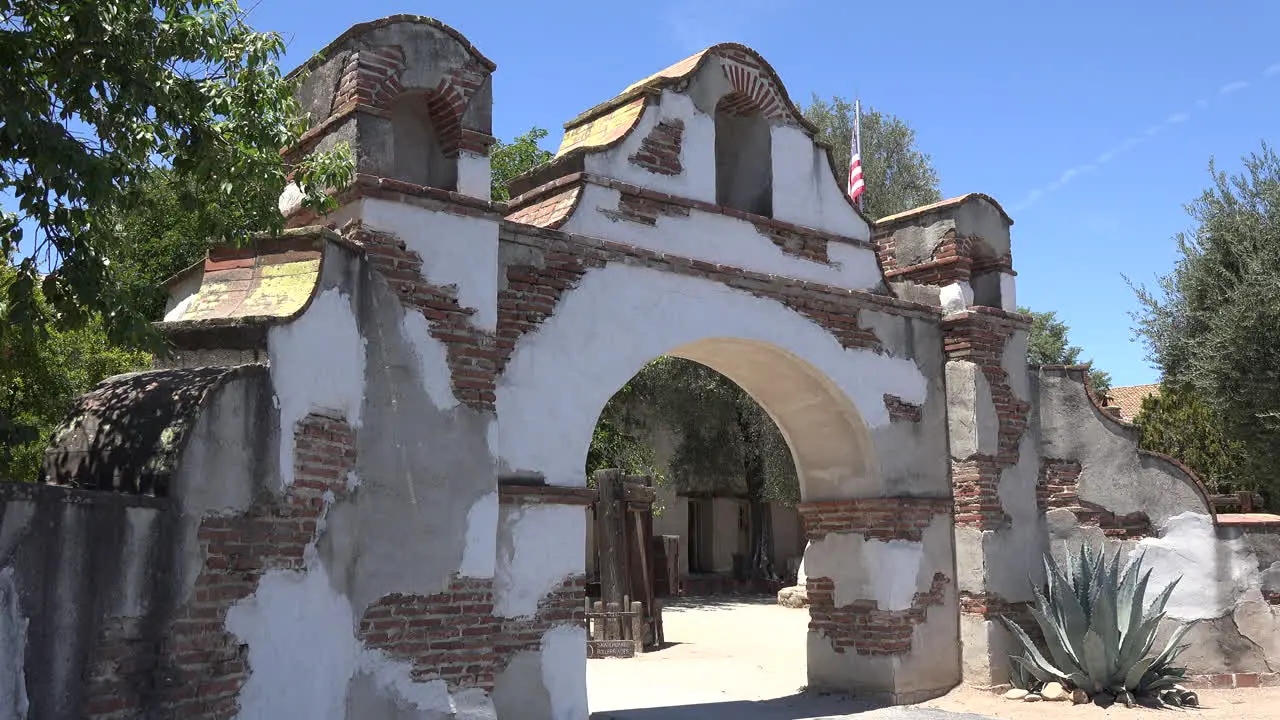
(885, 571)
(317, 363)
(974, 426)
(479, 555)
(564, 663)
(433, 360)
(956, 297)
(458, 251)
(539, 547)
(302, 648)
(1215, 573)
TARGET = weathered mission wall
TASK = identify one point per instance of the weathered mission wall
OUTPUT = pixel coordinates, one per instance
(357, 487)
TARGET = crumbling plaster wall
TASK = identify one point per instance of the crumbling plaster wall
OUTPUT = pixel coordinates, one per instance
(805, 193)
(1225, 573)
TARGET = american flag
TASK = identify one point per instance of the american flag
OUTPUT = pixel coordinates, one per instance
(856, 184)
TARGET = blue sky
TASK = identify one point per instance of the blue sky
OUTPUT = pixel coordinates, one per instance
(1092, 122)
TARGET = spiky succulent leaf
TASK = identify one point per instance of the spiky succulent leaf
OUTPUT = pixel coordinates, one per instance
(1133, 678)
(1033, 655)
(1056, 637)
(1034, 668)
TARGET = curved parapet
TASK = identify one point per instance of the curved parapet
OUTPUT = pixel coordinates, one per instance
(1090, 461)
(128, 433)
(272, 278)
(411, 96)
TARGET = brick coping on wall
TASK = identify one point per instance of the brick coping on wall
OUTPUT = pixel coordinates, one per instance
(580, 178)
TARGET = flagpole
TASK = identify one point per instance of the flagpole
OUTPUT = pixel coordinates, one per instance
(857, 140)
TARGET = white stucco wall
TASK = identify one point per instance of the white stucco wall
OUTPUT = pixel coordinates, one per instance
(473, 175)
(722, 239)
(317, 364)
(697, 152)
(539, 547)
(805, 191)
(619, 318)
(456, 250)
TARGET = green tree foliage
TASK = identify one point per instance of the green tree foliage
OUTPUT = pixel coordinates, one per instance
(513, 159)
(153, 242)
(1213, 323)
(100, 93)
(1048, 345)
(1176, 422)
(40, 374)
(898, 175)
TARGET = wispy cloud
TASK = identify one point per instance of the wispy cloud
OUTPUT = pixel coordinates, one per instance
(1134, 141)
(1231, 87)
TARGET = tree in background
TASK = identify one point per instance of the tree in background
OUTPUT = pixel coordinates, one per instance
(1048, 345)
(40, 375)
(513, 159)
(1214, 325)
(898, 175)
(1177, 423)
(98, 94)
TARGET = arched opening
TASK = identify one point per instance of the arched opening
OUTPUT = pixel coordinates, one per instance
(723, 430)
(744, 156)
(422, 150)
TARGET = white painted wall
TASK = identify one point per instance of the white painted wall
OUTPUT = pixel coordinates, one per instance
(887, 571)
(721, 239)
(619, 318)
(456, 250)
(473, 175)
(697, 152)
(805, 190)
(538, 548)
(1216, 574)
(317, 363)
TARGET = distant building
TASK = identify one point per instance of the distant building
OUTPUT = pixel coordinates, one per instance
(1126, 402)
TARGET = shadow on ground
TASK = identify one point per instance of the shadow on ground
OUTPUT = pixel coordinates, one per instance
(802, 706)
(699, 602)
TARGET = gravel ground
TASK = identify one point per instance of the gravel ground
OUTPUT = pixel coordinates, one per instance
(744, 659)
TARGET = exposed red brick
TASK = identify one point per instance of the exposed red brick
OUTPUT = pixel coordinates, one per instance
(195, 668)
(473, 359)
(979, 336)
(862, 626)
(991, 606)
(454, 635)
(1057, 488)
(801, 245)
(892, 518)
(636, 208)
(902, 411)
(659, 151)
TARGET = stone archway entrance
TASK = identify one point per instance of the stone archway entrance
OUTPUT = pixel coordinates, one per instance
(877, 514)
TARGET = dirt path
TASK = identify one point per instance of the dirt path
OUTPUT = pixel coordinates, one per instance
(744, 659)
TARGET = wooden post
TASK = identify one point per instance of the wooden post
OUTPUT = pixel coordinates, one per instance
(597, 627)
(637, 625)
(610, 536)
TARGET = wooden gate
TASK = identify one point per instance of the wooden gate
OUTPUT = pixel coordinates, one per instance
(632, 577)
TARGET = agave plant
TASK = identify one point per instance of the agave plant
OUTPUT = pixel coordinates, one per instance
(1098, 629)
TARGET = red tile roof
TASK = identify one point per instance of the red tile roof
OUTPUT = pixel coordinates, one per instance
(1129, 398)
